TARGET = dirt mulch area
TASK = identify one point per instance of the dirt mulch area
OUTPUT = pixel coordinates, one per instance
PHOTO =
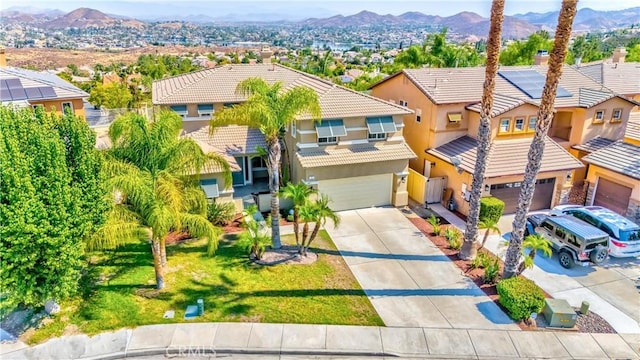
(586, 323)
(287, 254)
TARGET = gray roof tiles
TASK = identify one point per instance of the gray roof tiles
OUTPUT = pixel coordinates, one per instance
(33, 79)
(506, 157)
(622, 78)
(621, 157)
(594, 144)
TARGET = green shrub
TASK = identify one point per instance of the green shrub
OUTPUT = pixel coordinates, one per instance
(480, 261)
(491, 270)
(435, 224)
(453, 238)
(491, 208)
(521, 297)
(221, 213)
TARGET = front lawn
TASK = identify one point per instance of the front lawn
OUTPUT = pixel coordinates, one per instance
(233, 289)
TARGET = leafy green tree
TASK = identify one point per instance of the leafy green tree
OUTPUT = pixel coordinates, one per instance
(150, 168)
(586, 48)
(51, 202)
(633, 53)
(270, 109)
(112, 96)
(522, 52)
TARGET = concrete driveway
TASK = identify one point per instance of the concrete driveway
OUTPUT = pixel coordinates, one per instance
(408, 279)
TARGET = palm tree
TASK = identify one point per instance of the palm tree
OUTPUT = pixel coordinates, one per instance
(469, 249)
(299, 194)
(271, 109)
(534, 242)
(149, 168)
(490, 225)
(545, 115)
(318, 212)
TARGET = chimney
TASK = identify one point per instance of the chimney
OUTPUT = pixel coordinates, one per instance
(619, 54)
(3, 58)
(541, 58)
(266, 54)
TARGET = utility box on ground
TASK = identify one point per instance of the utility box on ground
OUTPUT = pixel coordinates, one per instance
(559, 313)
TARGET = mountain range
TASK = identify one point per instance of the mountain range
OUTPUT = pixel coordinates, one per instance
(464, 23)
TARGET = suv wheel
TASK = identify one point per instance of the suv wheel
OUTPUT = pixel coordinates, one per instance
(565, 258)
(598, 255)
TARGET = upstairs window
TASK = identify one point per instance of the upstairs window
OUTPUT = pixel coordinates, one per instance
(454, 117)
(67, 108)
(598, 117)
(533, 120)
(210, 188)
(328, 131)
(205, 110)
(616, 115)
(505, 126)
(518, 124)
(380, 126)
(180, 109)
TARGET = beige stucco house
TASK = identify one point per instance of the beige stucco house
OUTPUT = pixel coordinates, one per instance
(357, 154)
(22, 87)
(443, 128)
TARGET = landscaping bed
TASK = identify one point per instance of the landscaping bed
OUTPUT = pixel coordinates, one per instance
(586, 323)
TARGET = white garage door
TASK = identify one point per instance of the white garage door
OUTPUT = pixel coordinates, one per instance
(357, 192)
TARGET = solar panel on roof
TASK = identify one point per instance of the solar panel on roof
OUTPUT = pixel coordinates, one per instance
(5, 95)
(47, 92)
(14, 83)
(3, 84)
(530, 82)
(33, 93)
(17, 94)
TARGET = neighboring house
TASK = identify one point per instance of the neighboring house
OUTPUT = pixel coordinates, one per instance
(443, 128)
(614, 173)
(621, 77)
(356, 155)
(21, 87)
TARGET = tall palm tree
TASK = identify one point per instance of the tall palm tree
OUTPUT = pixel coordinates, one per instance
(317, 212)
(150, 171)
(534, 242)
(299, 194)
(469, 247)
(489, 225)
(545, 115)
(271, 109)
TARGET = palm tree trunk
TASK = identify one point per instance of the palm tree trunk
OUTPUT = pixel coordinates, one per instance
(305, 233)
(469, 247)
(163, 252)
(313, 236)
(484, 239)
(545, 115)
(274, 188)
(157, 264)
(296, 226)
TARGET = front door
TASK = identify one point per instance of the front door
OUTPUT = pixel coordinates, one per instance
(242, 177)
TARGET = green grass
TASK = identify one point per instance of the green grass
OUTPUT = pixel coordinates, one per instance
(233, 289)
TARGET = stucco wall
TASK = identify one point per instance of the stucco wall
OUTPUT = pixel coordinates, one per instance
(78, 105)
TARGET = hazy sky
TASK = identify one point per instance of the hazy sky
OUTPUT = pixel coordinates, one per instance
(296, 9)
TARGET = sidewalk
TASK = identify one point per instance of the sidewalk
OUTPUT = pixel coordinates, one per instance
(562, 283)
(275, 340)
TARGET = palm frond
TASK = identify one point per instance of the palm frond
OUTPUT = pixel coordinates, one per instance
(167, 127)
(199, 226)
(162, 219)
(168, 189)
(122, 226)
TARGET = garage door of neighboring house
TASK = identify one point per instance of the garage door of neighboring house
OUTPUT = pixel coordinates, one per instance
(613, 196)
(509, 193)
(357, 192)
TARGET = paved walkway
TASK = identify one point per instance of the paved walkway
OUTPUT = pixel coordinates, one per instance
(609, 289)
(409, 281)
(275, 341)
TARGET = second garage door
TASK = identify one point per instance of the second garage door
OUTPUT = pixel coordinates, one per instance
(357, 192)
(509, 193)
(614, 197)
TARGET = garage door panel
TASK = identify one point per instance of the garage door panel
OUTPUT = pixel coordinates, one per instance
(612, 196)
(509, 193)
(357, 192)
